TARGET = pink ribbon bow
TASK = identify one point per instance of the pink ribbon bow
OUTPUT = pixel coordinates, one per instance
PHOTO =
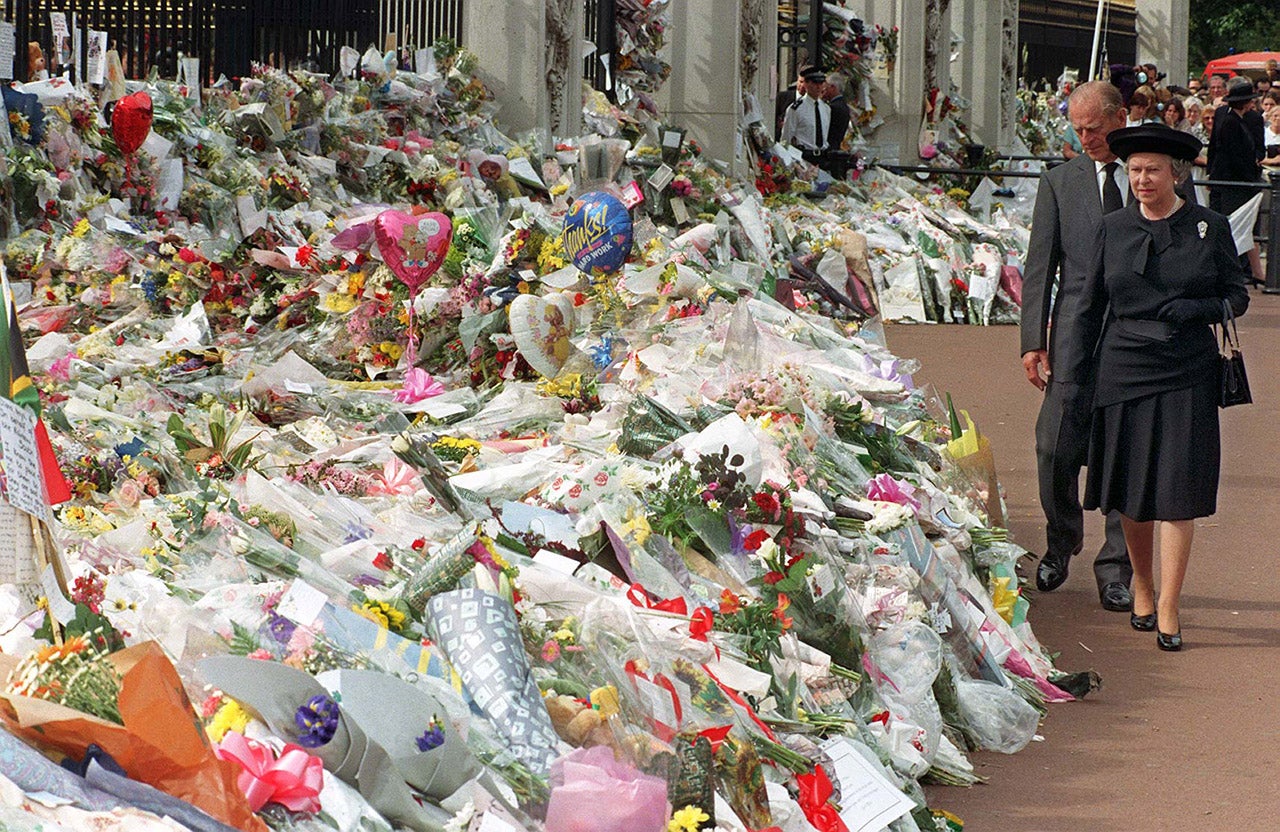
(294, 780)
(396, 478)
(418, 385)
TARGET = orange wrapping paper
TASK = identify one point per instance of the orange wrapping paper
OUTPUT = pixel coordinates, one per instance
(161, 743)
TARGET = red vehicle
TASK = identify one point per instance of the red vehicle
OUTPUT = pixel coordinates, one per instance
(1252, 64)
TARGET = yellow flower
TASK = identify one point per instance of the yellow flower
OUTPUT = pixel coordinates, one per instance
(559, 188)
(81, 229)
(1003, 599)
(564, 634)
(688, 819)
(339, 303)
(230, 717)
(636, 526)
(383, 614)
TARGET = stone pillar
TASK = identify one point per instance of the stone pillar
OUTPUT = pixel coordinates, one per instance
(900, 99)
(908, 82)
(1162, 36)
(703, 93)
(978, 72)
(768, 81)
(519, 76)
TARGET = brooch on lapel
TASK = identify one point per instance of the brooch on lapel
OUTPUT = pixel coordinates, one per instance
(1202, 227)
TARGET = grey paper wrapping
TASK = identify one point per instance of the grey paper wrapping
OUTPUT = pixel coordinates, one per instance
(152, 800)
(394, 714)
(480, 637)
(274, 691)
(32, 772)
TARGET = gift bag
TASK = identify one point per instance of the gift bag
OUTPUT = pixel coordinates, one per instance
(971, 452)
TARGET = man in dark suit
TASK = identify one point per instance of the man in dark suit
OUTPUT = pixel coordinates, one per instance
(1059, 335)
(833, 94)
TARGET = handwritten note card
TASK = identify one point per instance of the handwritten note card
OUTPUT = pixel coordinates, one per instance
(24, 488)
(868, 801)
(8, 47)
(18, 562)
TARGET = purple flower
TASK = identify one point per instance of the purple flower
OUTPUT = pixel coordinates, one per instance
(317, 720)
(433, 737)
(281, 628)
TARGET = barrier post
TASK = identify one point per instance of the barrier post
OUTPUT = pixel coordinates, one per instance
(1273, 240)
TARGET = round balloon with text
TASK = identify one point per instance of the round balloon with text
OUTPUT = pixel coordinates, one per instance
(597, 233)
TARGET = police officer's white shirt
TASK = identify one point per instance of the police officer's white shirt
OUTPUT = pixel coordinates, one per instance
(806, 123)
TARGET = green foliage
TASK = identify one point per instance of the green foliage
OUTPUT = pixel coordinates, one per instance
(1217, 26)
(93, 626)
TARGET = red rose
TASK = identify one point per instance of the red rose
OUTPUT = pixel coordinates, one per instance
(766, 502)
(755, 540)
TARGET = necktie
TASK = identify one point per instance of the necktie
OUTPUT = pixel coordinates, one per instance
(1111, 199)
(818, 140)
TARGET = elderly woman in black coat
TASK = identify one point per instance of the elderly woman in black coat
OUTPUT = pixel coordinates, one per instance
(1166, 270)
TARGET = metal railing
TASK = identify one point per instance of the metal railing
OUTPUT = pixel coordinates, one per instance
(419, 23)
(1269, 242)
(229, 35)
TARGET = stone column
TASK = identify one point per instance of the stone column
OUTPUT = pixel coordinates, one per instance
(1162, 36)
(900, 99)
(703, 94)
(978, 72)
(526, 80)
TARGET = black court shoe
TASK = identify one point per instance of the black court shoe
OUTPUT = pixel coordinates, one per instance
(1142, 623)
(1171, 643)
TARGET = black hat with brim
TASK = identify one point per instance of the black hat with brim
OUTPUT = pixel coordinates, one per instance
(1153, 138)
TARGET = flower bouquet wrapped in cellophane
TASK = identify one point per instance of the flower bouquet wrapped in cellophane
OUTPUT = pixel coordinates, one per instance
(150, 730)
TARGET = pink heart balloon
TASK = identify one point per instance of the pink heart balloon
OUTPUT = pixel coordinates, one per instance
(413, 247)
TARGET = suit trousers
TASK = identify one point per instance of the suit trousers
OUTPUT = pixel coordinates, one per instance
(1062, 445)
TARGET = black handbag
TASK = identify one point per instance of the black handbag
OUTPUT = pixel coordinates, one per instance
(1235, 382)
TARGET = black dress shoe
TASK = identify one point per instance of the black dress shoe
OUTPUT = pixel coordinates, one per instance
(1116, 597)
(1142, 623)
(1052, 572)
(1171, 643)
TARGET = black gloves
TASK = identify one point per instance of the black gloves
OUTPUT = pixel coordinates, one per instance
(1181, 311)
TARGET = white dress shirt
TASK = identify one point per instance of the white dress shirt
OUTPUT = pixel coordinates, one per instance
(806, 123)
(1121, 177)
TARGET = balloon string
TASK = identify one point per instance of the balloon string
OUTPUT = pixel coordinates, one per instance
(413, 347)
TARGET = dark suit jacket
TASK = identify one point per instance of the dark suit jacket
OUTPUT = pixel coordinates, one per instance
(839, 122)
(1235, 148)
(1063, 230)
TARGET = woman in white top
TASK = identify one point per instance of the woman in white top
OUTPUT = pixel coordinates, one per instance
(1271, 137)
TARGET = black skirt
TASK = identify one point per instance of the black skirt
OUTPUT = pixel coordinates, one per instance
(1157, 457)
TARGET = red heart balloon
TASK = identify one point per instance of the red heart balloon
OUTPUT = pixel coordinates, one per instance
(413, 247)
(131, 122)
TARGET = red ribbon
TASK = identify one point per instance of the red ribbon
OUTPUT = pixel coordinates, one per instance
(741, 703)
(639, 596)
(814, 797)
(702, 623)
(716, 736)
(294, 780)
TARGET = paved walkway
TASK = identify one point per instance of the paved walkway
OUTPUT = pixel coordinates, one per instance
(1173, 741)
